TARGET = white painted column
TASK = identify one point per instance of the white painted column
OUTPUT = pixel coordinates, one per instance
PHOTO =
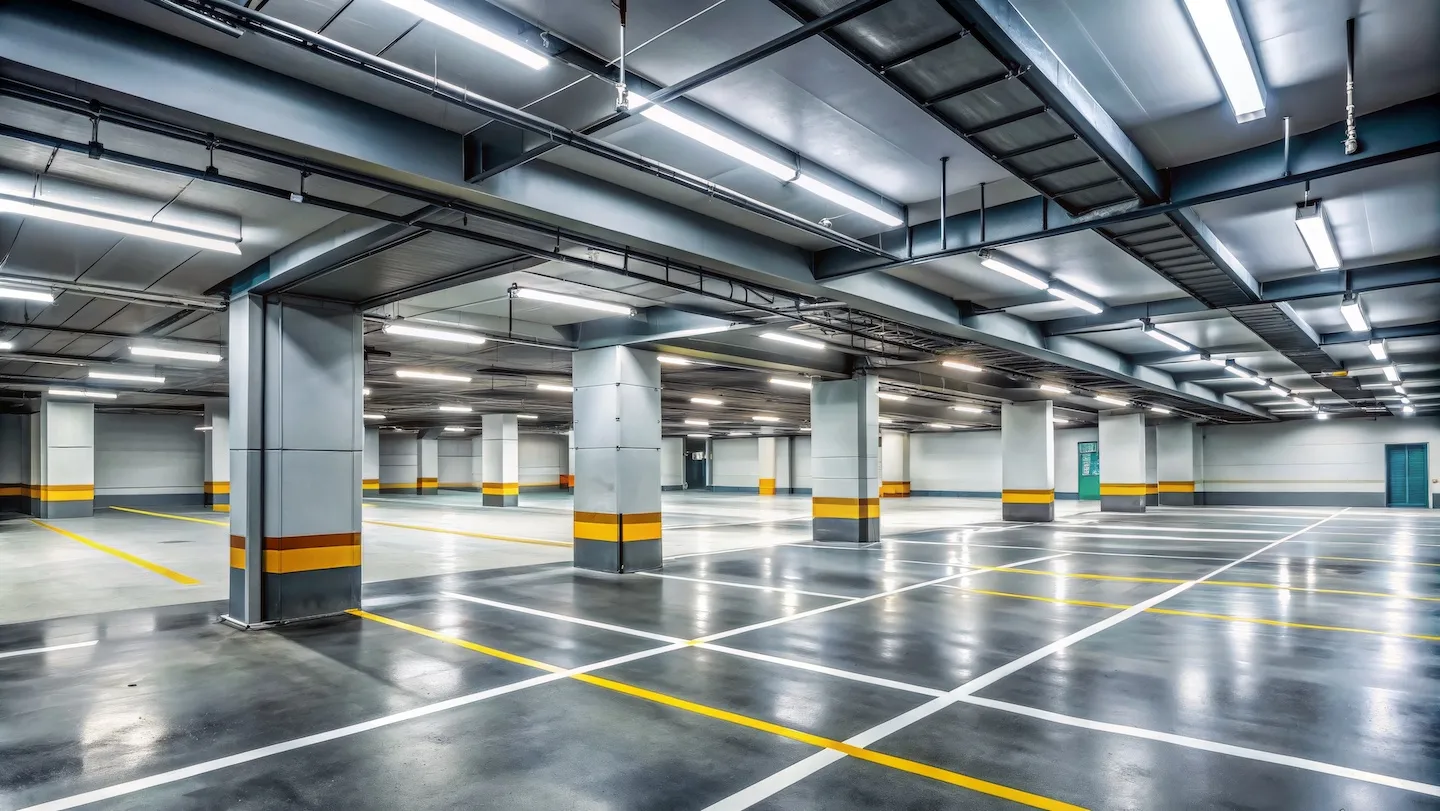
(370, 463)
(894, 464)
(845, 460)
(1177, 460)
(765, 455)
(62, 445)
(500, 482)
(1027, 461)
(1152, 481)
(427, 462)
(568, 481)
(784, 481)
(217, 454)
(477, 459)
(1122, 462)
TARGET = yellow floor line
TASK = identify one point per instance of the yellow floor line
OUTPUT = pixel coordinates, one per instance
(901, 764)
(176, 517)
(488, 537)
(182, 579)
(1394, 561)
(1202, 615)
(1226, 583)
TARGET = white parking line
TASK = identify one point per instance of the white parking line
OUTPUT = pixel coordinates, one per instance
(776, 589)
(8, 654)
(792, 774)
(619, 629)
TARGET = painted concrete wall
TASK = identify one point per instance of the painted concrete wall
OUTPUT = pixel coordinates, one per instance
(1308, 462)
(672, 463)
(149, 459)
(800, 465)
(14, 462)
(542, 459)
(735, 465)
(968, 464)
(459, 463)
(399, 462)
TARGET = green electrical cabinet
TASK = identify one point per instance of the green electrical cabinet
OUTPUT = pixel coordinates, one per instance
(1407, 476)
(1089, 471)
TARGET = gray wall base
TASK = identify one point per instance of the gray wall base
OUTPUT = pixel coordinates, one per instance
(1177, 499)
(1122, 504)
(500, 501)
(158, 500)
(614, 556)
(1027, 512)
(1291, 499)
(845, 530)
(61, 509)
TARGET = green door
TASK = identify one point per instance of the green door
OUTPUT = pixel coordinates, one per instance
(1407, 475)
(1089, 471)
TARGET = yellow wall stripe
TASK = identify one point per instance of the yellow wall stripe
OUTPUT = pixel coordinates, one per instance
(182, 579)
(853, 509)
(1122, 489)
(500, 488)
(370, 484)
(1027, 496)
(899, 763)
(767, 487)
(217, 488)
(593, 526)
(1151, 488)
(286, 561)
(1177, 487)
(63, 492)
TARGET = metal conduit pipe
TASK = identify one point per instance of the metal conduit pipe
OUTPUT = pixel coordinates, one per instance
(306, 39)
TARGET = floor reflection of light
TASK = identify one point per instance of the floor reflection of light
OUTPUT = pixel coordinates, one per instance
(1399, 582)
(108, 731)
(1394, 652)
(1194, 691)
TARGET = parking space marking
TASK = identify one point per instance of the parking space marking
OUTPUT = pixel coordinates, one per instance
(1393, 561)
(792, 774)
(1239, 584)
(182, 579)
(964, 544)
(776, 589)
(8, 654)
(175, 517)
(467, 534)
(536, 612)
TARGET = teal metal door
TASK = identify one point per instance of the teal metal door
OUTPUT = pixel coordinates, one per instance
(1089, 471)
(1407, 476)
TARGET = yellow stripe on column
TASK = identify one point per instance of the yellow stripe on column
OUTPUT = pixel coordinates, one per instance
(217, 488)
(1151, 489)
(767, 487)
(1177, 487)
(500, 488)
(894, 489)
(370, 484)
(1122, 489)
(608, 527)
(1027, 496)
(853, 509)
(63, 492)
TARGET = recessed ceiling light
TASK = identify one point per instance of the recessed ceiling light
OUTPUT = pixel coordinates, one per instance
(785, 337)
(964, 367)
(451, 336)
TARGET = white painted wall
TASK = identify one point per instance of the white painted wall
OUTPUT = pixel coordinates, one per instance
(1067, 457)
(735, 463)
(970, 462)
(672, 462)
(542, 459)
(399, 458)
(800, 463)
(457, 462)
(148, 455)
(15, 448)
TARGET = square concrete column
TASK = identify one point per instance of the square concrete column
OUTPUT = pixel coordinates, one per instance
(784, 479)
(62, 459)
(217, 455)
(1027, 461)
(500, 460)
(427, 462)
(765, 455)
(567, 479)
(370, 463)
(296, 442)
(1177, 460)
(845, 460)
(1152, 481)
(1122, 462)
(894, 464)
(399, 463)
(617, 459)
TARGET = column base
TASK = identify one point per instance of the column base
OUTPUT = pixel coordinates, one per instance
(1019, 511)
(296, 596)
(845, 530)
(1122, 504)
(216, 499)
(1177, 499)
(491, 500)
(618, 556)
(61, 509)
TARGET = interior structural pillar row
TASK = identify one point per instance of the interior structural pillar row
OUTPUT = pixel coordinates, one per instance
(765, 450)
(296, 447)
(427, 462)
(217, 455)
(62, 459)
(1027, 461)
(894, 464)
(617, 459)
(1177, 459)
(500, 460)
(370, 463)
(845, 459)
(1122, 462)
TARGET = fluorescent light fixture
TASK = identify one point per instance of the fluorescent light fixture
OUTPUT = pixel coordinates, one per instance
(1217, 360)
(885, 420)
(116, 224)
(174, 354)
(125, 378)
(553, 387)
(532, 294)
(720, 143)
(27, 295)
(455, 409)
(94, 395)
(6, 346)
(1322, 416)
(1301, 401)
(527, 416)
(740, 433)
(1224, 41)
(805, 428)
(1409, 409)
(1015, 273)
(1353, 315)
(416, 374)
(794, 384)
(469, 30)
(454, 429)
(705, 423)
(1399, 389)
(698, 436)
(1238, 372)
(1319, 240)
(849, 201)
(765, 418)
(1167, 339)
(1260, 381)
(939, 425)
(365, 392)
(204, 427)
(1159, 410)
(890, 395)
(1084, 304)
(1405, 400)
(1391, 373)
(1055, 389)
(432, 334)
(706, 401)
(964, 367)
(1059, 420)
(374, 416)
(674, 360)
(968, 409)
(787, 338)
(1377, 349)
(1111, 400)
(1277, 389)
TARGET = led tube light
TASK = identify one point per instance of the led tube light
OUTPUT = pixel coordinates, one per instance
(740, 433)
(1059, 420)
(94, 395)
(674, 360)
(1217, 360)
(703, 423)
(1319, 239)
(1353, 315)
(1377, 350)
(1055, 389)
(415, 374)
(1111, 400)
(454, 429)
(1084, 304)
(1322, 416)
(432, 334)
(1015, 273)
(1159, 410)
(1409, 409)
(794, 384)
(204, 427)
(698, 436)
(116, 224)
(455, 409)
(27, 295)
(706, 401)
(1168, 339)
(764, 418)
(1301, 401)
(532, 294)
(469, 30)
(968, 409)
(6, 346)
(849, 201)
(1391, 373)
(374, 416)
(1221, 36)
(939, 425)
(785, 337)
(553, 387)
(1277, 390)
(1237, 371)
(125, 378)
(527, 416)
(888, 395)
(175, 354)
(964, 367)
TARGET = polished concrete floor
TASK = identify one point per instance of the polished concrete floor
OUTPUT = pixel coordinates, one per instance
(1224, 658)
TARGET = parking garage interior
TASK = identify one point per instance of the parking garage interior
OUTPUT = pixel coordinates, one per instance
(719, 404)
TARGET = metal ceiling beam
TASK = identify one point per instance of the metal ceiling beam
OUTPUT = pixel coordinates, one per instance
(1396, 133)
(1229, 350)
(1386, 333)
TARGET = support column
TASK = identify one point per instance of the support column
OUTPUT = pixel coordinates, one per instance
(784, 475)
(296, 440)
(845, 460)
(399, 463)
(894, 464)
(1176, 462)
(617, 459)
(1122, 462)
(427, 462)
(1152, 481)
(500, 460)
(370, 463)
(62, 455)
(765, 450)
(567, 479)
(217, 455)
(1027, 461)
